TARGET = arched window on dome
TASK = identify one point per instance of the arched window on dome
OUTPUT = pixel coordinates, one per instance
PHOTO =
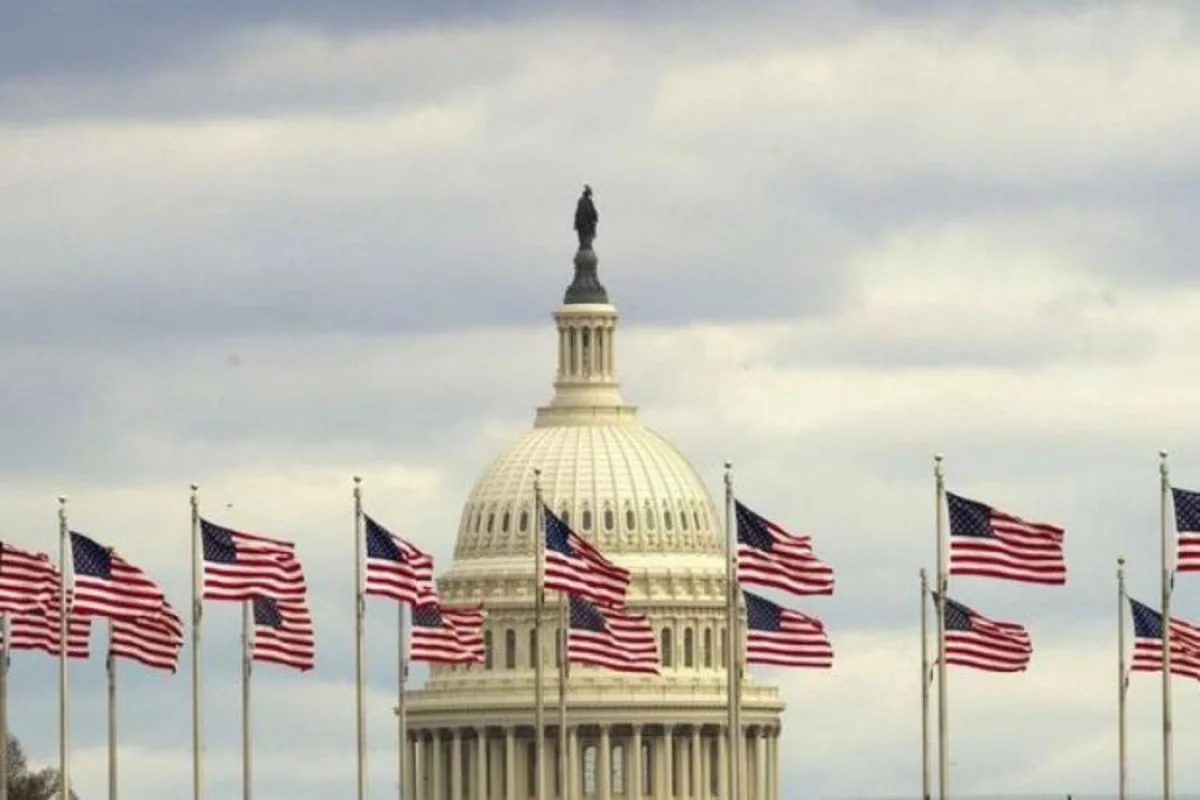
(689, 647)
(533, 648)
(487, 649)
(683, 519)
(504, 520)
(565, 516)
(708, 648)
(610, 519)
(491, 523)
(667, 524)
(523, 522)
(510, 649)
(664, 648)
(630, 519)
(696, 517)
(586, 518)
(478, 519)
(649, 517)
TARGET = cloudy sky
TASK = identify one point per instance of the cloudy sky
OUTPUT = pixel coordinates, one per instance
(267, 246)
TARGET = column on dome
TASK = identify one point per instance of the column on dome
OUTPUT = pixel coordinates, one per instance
(574, 759)
(510, 762)
(479, 765)
(695, 761)
(669, 752)
(762, 762)
(604, 768)
(436, 773)
(633, 780)
(741, 747)
(456, 764)
(722, 761)
(413, 762)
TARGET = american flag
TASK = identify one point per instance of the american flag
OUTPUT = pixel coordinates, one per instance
(447, 635)
(611, 638)
(106, 585)
(574, 566)
(987, 543)
(283, 633)
(154, 641)
(395, 568)
(39, 630)
(784, 638)
(973, 640)
(1148, 643)
(770, 556)
(1187, 525)
(27, 580)
(242, 566)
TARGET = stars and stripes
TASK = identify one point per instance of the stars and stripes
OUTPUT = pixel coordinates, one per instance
(770, 556)
(106, 585)
(988, 543)
(27, 580)
(153, 641)
(1148, 643)
(1187, 526)
(611, 638)
(395, 568)
(784, 638)
(973, 640)
(283, 633)
(447, 635)
(574, 566)
(39, 630)
(241, 566)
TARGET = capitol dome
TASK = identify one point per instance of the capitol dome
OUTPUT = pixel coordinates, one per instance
(634, 495)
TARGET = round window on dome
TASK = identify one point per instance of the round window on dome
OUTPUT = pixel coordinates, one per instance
(609, 519)
(630, 519)
(587, 519)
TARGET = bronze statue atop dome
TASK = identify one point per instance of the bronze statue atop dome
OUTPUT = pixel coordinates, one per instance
(586, 219)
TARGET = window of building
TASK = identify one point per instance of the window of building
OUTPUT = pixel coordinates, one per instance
(616, 778)
(504, 522)
(708, 648)
(524, 521)
(724, 646)
(683, 520)
(665, 648)
(587, 519)
(667, 520)
(478, 519)
(696, 517)
(590, 786)
(510, 649)
(565, 516)
(649, 517)
(558, 643)
(491, 521)
(487, 649)
(533, 648)
(610, 520)
(689, 647)
(630, 519)
(530, 766)
(648, 775)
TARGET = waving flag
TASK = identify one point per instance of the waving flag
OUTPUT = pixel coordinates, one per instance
(987, 543)
(108, 586)
(241, 566)
(784, 638)
(153, 641)
(27, 580)
(611, 638)
(447, 635)
(1148, 643)
(770, 556)
(395, 568)
(574, 566)
(973, 640)
(40, 630)
(1187, 525)
(283, 633)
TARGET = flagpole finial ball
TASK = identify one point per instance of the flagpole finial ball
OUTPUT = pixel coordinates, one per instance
(937, 457)
(1120, 561)
(195, 487)
(728, 465)
(1162, 453)
(357, 479)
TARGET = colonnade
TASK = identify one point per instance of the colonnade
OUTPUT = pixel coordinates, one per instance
(681, 762)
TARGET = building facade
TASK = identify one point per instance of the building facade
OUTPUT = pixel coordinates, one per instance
(634, 495)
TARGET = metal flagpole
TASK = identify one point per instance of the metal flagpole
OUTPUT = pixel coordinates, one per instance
(360, 611)
(110, 666)
(925, 780)
(940, 610)
(3, 707)
(732, 670)
(247, 652)
(539, 706)
(197, 606)
(565, 782)
(401, 706)
(1122, 688)
(64, 766)
(1168, 578)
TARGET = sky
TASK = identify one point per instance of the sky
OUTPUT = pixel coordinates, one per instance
(267, 246)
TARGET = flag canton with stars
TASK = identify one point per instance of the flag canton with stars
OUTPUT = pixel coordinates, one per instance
(762, 614)
(1187, 510)
(90, 558)
(969, 517)
(427, 616)
(1147, 623)
(266, 613)
(380, 543)
(585, 617)
(752, 529)
(217, 543)
(958, 616)
(558, 535)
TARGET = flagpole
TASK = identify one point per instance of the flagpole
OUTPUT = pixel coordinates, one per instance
(110, 667)
(3, 707)
(1122, 688)
(197, 606)
(564, 671)
(732, 674)
(539, 709)
(360, 611)
(925, 778)
(64, 766)
(401, 705)
(1168, 579)
(247, 646)
(940, 610)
